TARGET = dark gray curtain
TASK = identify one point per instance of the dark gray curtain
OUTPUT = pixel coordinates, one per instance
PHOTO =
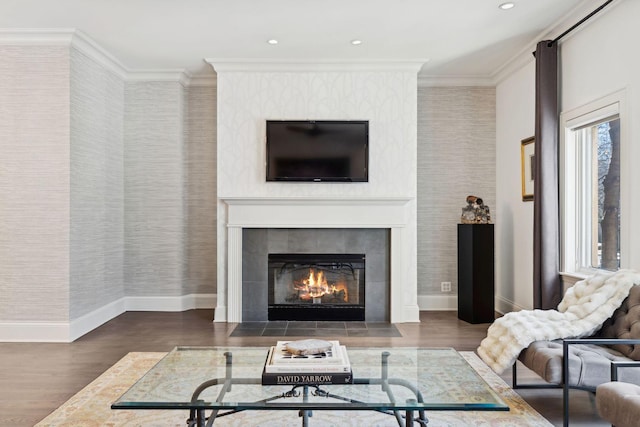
(547, 286)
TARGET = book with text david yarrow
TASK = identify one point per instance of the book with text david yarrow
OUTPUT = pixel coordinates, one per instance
(307, 379)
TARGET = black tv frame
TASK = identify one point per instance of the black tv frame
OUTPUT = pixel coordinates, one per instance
(317, 178)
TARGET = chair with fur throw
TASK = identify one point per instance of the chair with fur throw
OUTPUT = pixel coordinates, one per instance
(597, 323)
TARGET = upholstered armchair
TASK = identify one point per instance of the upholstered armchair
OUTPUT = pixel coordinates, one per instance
(586, 363)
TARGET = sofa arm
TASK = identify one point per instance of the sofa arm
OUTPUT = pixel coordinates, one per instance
(600, 341)
(565, 364)
(597, 341)
(615, 365)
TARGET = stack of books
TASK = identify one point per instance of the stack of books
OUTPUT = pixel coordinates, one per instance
(328, 367)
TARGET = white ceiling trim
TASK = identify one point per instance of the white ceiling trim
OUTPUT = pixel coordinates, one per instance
(89, 47)
(517, 62)
(200, 80)
(446, 81)
(36, 36)
(69, 37)
(525, 56)
(72, 37)
(293, 65)
(176, 75)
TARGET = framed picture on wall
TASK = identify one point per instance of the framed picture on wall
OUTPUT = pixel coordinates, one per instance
(527, 155)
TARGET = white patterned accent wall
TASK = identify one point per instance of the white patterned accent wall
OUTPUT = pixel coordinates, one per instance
(246, 99)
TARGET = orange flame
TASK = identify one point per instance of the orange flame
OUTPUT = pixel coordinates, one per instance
(316, 284)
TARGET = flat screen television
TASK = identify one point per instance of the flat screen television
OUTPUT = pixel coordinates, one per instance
(318, 150)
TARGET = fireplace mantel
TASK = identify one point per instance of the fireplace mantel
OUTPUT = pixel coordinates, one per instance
(392, 213)
(308, 212)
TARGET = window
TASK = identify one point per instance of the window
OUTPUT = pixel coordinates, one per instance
(598, 156)
(591, 189)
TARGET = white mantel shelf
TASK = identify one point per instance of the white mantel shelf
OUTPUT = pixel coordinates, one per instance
(392, 213)
(316, 212)
(316, 200)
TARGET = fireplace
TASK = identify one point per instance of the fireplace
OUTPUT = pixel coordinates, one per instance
(316, 287)
(246, 226)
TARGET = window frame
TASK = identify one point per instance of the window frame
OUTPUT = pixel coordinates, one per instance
(573, 225)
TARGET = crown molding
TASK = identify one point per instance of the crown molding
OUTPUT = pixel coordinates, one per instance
(519, 61)
(182, 76)
(153, 75)
(326, 65)
(89, 47)
(74, 38)
(203, 80)
(448, 81)
(525, 56)
(93, 50)
(68, 37)
(36, 36)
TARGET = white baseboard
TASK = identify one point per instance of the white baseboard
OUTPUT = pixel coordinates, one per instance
(450, 303)
(504, 305)
(178, 303)
(220, 314)
(83, 324)
(34, 331)
(438, 302)
(411, 314)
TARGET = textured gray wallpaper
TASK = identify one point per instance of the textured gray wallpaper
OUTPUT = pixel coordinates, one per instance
(153, 188)
(34, 183)
(456, 158)
(170, 189)
(200, 193)
(108, 188)
(97, 200)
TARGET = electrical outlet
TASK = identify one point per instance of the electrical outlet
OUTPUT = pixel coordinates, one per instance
(445, 286)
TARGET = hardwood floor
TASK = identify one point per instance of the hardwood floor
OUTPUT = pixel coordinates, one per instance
(36, 378)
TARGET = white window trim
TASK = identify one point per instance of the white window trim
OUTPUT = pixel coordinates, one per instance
(571, 120)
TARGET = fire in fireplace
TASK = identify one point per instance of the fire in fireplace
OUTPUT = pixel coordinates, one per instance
(316, 287)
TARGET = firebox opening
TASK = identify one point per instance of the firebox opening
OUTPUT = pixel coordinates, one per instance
(316, 287)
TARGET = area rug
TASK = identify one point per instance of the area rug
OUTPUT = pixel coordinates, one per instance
(91, 406)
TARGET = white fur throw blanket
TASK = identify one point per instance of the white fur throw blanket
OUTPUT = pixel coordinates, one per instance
(582, 311)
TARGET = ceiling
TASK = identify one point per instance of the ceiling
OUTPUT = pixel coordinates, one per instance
(461, 38)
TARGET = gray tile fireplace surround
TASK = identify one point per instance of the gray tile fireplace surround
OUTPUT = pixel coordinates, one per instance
(257, 243)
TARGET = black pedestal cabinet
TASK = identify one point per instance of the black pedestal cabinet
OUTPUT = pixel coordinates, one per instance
(475, 273)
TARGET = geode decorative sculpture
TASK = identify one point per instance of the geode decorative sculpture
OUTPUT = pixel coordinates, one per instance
(476, 212)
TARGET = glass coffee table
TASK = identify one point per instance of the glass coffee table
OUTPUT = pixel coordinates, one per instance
(215, 382)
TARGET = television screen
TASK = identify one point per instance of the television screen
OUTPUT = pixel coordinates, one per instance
(317, 150)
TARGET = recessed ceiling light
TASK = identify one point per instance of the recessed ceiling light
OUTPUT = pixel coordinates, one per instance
(507, 5)
(356, 42)
(272, 41)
